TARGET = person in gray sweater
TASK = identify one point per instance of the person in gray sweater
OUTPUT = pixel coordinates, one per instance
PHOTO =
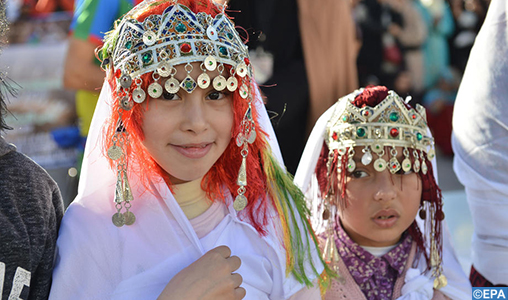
(31, 209)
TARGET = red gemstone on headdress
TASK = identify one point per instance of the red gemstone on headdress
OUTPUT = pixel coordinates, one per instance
(334, 136)
(247, 61)
(394, 132)
(366, 113)
(118, 73)
(413, 116)
(185, 48)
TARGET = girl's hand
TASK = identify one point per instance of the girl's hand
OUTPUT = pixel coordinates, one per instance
(209, 277)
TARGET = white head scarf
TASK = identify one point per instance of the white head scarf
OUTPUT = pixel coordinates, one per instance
(458, 285)
(480, 143)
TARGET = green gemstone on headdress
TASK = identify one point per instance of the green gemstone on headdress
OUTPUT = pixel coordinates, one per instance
(223, 51)
(419, 136)
(180, 27)
(394, 116)
(146, 58)
(344, 118)
(128, 45)
(230, 35)
(360, 132)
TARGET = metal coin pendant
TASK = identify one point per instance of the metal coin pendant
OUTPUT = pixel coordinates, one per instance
(367, 158)
(406, 165)
(240, 202)
(203, 81)
(126, 103)
(211, 32)
(241, 69)
(351, 165)
(416, 166)
(219, 83)
(431, 154)
(155, 90)
(115, 152)
(125, 81)
(118, 219)
(378, 148)
(380, 164)
(240, 140)
(244, 91)
(210, 63)
(138, 95)
(149, 38)
(394, 165)
(164, 69)
(172, 85)
(232, 83)
(130, 218)
(252, 136)
(424, 168)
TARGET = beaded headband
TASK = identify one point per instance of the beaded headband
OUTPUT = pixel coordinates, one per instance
(177, 36)
(391, 123)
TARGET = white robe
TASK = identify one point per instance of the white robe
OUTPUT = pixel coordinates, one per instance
(480, 143)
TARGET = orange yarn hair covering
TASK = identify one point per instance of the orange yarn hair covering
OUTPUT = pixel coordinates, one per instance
(224, 172)
(372, 96)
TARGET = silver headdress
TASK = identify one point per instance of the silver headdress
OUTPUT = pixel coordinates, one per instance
(391, 123)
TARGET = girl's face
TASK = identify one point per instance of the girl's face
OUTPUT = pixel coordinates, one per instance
(186, 133)
(381, 206)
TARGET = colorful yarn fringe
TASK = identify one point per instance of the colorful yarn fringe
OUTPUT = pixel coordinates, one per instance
(298, 246)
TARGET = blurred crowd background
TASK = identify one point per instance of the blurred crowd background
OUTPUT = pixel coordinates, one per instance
(306, 54)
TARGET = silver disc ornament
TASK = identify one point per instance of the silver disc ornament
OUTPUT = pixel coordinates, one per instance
(126, 103)
(115, 152)
(210, 63)
(252, 136)
(155, 90)
(232, 84)
(138, 95)
(406, 164)
(241, 69)
(244, 91)
(125, 81)
(240, 202)
(172, 85)
(149, 38)
(219, 83)
(129, 217)
(118, 219)
(203, 81)
(380, 164)
(164, 69)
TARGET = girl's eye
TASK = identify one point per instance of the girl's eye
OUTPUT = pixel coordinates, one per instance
(402, 172)
(169, 96)
(359, 174)
(216, 95)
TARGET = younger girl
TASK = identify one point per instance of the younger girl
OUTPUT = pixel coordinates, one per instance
(369, 159)
(180, 195)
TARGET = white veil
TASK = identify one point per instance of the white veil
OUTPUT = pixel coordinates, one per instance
(458, 285)
(95, 257)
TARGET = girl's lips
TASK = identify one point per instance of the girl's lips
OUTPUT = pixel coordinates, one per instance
(193, 151)
(386, 218)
